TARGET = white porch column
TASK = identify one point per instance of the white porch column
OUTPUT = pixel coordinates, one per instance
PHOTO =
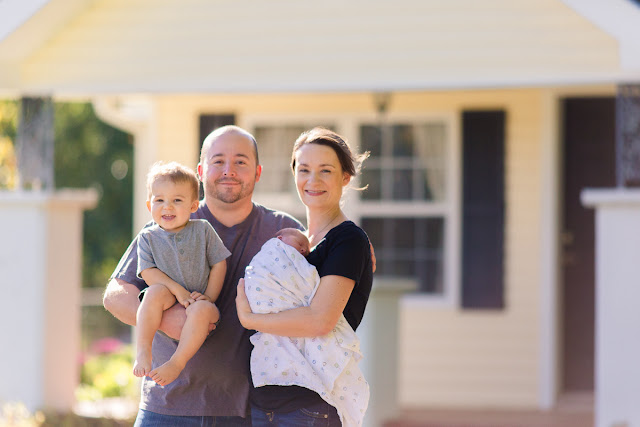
(379, 342)
(617, 371)
(40, 274)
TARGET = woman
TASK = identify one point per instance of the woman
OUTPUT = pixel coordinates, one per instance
(323, 165)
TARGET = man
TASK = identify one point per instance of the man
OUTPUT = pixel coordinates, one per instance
(213, 387)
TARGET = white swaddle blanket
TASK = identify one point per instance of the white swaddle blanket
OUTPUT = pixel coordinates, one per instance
(280, 278)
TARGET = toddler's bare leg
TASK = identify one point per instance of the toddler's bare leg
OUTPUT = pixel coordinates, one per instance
(156, 299)
(194, 332)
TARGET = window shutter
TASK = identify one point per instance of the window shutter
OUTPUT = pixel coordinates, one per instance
(210, 122)
(483, 139)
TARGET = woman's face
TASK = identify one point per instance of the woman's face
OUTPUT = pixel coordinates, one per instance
(319, 176)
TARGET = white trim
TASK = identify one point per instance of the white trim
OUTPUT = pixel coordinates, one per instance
(620, 196)
(549, 349)
(14, 13)
(618, 18)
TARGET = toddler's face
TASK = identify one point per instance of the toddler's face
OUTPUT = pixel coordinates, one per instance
(171, 204)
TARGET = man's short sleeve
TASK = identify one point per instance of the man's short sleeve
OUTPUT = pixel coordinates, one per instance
(145, 256)
(127, 268)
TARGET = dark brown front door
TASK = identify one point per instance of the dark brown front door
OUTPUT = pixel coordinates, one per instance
(589, 162)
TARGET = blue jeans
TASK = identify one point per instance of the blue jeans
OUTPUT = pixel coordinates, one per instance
(153, 419)
(319, 415)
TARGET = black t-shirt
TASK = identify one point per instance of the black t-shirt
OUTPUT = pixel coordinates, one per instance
(343, 252)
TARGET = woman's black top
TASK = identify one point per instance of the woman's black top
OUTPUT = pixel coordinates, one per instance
(345, 252)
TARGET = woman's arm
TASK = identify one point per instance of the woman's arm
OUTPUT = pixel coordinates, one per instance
(317, 319)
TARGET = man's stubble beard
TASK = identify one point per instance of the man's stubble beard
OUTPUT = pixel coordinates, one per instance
(225, 196)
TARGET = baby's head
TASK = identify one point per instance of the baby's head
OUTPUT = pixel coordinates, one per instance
(295, 238)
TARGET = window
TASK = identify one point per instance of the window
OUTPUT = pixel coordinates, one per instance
(409, 247)
(410, 209)
(407, 209)
(275, 144)
(406, 163)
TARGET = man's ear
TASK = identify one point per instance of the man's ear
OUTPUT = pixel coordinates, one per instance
(199, 170)
(258, 172)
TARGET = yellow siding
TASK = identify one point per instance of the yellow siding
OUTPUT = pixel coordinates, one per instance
(287, 45)
(489, 358)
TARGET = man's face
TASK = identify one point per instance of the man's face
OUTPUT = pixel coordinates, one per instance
(228, 169)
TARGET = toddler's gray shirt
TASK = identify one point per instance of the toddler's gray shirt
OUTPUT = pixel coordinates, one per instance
(186, 256)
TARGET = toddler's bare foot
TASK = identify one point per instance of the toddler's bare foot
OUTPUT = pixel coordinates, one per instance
(142, 364)
(167, 372)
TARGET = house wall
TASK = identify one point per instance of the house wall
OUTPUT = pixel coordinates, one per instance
(448, 356)
(488, 358)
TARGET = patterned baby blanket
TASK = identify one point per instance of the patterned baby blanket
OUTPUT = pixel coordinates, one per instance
(280, 278)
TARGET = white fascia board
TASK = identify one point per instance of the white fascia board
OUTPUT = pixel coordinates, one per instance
(14, 13)
(618, 18)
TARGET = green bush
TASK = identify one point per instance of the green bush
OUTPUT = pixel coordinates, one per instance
(108, 375)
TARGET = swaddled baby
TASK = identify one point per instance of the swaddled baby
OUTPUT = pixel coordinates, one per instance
(280, 278)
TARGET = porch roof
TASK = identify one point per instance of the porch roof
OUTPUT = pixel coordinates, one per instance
(199, 46)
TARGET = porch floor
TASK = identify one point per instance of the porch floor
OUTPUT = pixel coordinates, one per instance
(572, 411)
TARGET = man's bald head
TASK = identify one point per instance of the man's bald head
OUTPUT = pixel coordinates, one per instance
(227, 130)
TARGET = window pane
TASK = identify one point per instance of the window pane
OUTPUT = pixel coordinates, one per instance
(404, 268)
(431, 160)
(371, 177)
(403, 233)
(403, 184)
(429, 274)
(409, 247)
(274, 148)
(434, 228)
(402, 136)
(371, 140)
(431, 183)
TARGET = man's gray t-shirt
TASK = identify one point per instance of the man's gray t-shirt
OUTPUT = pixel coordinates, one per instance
(216, 380)
(185, 256)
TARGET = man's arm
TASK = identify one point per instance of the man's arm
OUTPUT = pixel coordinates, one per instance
(121, 300)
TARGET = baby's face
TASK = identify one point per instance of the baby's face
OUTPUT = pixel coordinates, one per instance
(297, 241)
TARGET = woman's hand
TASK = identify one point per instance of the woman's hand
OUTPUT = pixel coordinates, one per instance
(242, 306)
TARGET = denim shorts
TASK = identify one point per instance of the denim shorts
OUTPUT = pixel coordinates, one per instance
(153, 419)
(318, 415)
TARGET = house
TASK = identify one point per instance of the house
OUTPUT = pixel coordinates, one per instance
(484, 120)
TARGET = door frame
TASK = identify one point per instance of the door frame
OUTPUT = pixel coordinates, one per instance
(552, 160)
